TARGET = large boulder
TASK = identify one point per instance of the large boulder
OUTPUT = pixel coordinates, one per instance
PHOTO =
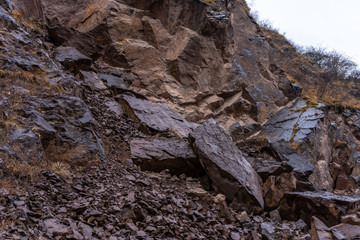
(225, 165)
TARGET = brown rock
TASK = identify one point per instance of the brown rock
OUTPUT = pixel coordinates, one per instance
(276, 187)
(72, 59)
(344, 231)
(324, 205)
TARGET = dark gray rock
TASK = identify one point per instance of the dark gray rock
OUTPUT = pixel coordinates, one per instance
(25, 137)
(293, 123)
(225, 165)
(93, 80)
(7, 21)
(114, 82)
(72, 59)
(159, 154)
(288, 155)
(324, 205)
(66, 128)
(156, 117)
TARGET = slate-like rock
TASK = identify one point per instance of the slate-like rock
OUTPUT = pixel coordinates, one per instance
(320, 231)
(228, 170)
(66, 128)
(156, 117)
(72, 59)
(159, 154)
(293, 123)
(324, 205)
(296, 161)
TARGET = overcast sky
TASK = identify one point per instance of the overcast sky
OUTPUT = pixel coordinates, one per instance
(331, 24)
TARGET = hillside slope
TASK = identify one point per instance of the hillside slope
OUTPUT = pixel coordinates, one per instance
(167, 119)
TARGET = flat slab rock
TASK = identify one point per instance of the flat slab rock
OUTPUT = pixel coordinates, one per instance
(230, 173)
(160, 154)
(157, 116)
(324, 205)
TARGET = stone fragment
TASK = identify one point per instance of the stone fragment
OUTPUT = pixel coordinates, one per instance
(276, 187)
(225, 165)
(293, 123)
(275, 216)
(116, 83)
(319, 231)
(267, 230)
(349, 231)
(55, 228)
(220, 198)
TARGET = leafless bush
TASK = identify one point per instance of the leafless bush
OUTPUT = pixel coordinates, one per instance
(335, 67)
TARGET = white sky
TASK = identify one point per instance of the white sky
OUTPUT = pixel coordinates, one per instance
(332, 24)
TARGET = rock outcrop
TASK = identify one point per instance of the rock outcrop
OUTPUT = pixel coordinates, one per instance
(96, 96)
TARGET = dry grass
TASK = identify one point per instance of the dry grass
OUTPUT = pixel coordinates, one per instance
(32, 26)
(300, 69)
(60, 168)
(28, 77)
(294, 145)
(295, 131)
(36, 78)
(31, 171)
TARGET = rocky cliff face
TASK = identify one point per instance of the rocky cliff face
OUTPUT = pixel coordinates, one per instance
(97, 95)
